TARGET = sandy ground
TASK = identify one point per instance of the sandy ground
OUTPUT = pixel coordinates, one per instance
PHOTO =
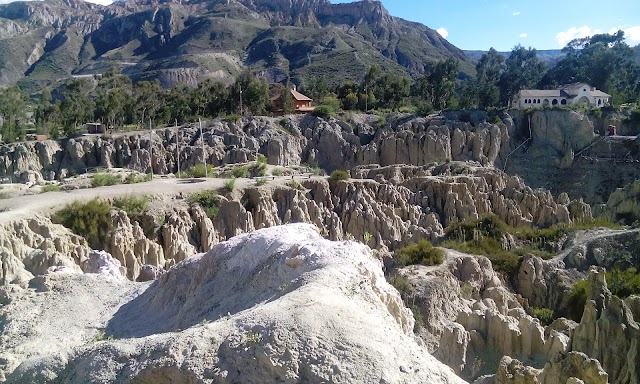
(25, 206)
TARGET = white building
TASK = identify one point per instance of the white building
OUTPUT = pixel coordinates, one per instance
(570, 94)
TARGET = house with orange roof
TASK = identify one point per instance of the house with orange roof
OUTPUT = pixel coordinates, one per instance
(301, 103)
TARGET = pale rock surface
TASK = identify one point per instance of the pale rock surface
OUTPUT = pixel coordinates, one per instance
(609, 332)
(276, 305)
(29, 247)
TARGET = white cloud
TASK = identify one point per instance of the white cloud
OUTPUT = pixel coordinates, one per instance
(575, 33)
(516, 13)
(631, 34)
(443, 32)
(524, 35)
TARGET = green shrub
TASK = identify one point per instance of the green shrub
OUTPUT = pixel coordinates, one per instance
(624, 283)
(261, 182)
(231, 118)
(262, 159)
(545, 315)
(105, 179)
(257, 169)
(338, 175)
(50, 188)
(635, 116)
(421, 252)
(87, 219)
(323, 111)
(240, 171)
(401, 283)
(198, 171)
(295, 185)
(208, 200)
(5, 195)
(417, 315)
(277, 172)
(487, 226)
(133, 178)
(578, 299)
(331, 102)
(230, 184)
(134, 205)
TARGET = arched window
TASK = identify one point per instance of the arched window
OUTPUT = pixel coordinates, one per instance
(554, 102)
(563, 102)
(538, 101)
(599, 101)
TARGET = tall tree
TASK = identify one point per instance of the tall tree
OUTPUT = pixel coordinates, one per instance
(13, 111)
(76, 107)
(604, 61)
(286, 99)
(522, 70)
(489, 69)
(436, 89)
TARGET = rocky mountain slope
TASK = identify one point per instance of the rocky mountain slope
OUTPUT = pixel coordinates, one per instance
(178, 41)
(277, 305)
(560, 150)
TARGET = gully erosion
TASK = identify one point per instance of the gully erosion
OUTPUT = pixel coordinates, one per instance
(196, 279)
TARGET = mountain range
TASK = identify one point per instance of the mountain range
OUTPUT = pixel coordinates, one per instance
(188, 41)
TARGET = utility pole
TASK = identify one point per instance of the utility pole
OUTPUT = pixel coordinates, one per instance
(177, 146)
(240, 85)
(204, 155)
(150, 149)
(366, 99)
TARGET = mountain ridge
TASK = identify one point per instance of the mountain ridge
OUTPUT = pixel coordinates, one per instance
(191, 41)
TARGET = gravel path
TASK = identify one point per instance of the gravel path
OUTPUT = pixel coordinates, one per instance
(25, 206)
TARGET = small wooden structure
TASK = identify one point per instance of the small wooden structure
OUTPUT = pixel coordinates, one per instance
(301, 103)
(99, 128)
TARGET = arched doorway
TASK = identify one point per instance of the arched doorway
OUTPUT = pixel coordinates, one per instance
(584, 100)
(554, 102)
(545, 103)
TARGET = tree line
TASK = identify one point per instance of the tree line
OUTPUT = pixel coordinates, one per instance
(604, 61)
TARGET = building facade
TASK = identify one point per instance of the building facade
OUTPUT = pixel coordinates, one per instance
(571, 94)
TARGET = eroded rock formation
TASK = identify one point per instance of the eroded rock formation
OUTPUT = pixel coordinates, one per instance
(279, 304)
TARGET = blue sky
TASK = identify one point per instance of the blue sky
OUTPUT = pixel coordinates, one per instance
(542, 24)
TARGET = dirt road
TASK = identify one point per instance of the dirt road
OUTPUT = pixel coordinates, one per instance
(29, 205)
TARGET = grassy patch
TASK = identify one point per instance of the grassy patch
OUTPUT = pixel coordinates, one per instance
(230, 184)
(50, 188)
(257, 169)
(401, 283)
(89, 219)
(338, 175)
(323, 111)
(421, 252)
(578, 299)
(241, 172)
(277, 172)
(486, 237)
(545, 315)
(624, 283)
(261, 182)
(132, 178)
(197, 171)
(295, 185)
(105, 179)
(208, 200)
(134, 205)
(5, 195)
